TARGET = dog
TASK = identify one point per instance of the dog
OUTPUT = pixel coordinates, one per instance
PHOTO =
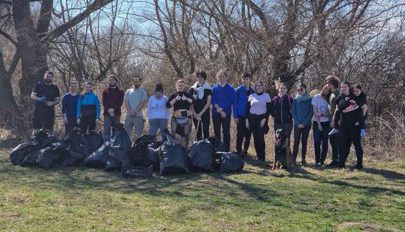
(282, 152)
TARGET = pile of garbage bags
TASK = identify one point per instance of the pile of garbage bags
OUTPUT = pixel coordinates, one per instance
(139, 159)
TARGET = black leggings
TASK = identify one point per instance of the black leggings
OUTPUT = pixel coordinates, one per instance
(258, 135)
(242, 133)
(350, 134)
(87, 124)
(204, 127)
(225, 124)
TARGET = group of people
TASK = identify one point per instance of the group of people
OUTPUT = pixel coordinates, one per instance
(336, 114)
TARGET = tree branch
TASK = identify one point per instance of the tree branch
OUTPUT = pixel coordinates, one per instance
(96, 5)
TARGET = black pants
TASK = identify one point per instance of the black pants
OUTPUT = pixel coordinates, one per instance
(87, 124)
(204, 127)
(225, 123)
(243, 134)
(350, 134)
(258, 135)
(300, 135)
(335, 143)
(321, 141)
(72, 123)
(44, 118)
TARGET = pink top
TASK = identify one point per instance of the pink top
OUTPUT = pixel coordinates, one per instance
(258, 103)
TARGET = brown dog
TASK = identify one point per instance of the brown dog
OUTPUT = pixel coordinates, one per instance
(282, 152)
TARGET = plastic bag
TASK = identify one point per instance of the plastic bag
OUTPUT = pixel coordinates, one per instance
(98, 159)
(201, 156)
(172, 157)
(230, 162)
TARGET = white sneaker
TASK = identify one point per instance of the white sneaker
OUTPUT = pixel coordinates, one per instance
(333, 131)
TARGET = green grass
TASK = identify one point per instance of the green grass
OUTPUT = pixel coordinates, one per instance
(79, 199)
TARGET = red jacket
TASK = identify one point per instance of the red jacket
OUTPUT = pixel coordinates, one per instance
(113, 98)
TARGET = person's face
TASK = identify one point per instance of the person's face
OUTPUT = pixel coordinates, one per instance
(180, 87)
(356, 91)
(88, 87)
(246, 81)
(158, 94)
(137, 82)
(222, 78)
(344, 89)
(200, 79)
(48, 78)
(73, 86)
(112, 81)
(259, 87)
(301, 91)
(325, 91)
(282, 90)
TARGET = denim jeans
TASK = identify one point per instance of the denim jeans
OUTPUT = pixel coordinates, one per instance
(156, 125)
(321, 141)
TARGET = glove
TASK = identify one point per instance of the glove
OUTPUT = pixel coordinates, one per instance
(42, 99)
(363, 133)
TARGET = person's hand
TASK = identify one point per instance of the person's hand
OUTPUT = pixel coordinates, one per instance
(133, 113)
(262, 122)
(65, 120)
(78, 121)
(320, 127)
(223, 114)
(178, 97)
(236, 120)
(357, 124)
(347, 98)
(319, 114)
(247, 124)
(111, 112)
(42, 99)
(332, 124)
(301, 126)
(184, 98)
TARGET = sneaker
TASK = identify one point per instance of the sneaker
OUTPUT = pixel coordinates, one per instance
(303, 163)
(363, 133)
(333, 131)
(318, 165)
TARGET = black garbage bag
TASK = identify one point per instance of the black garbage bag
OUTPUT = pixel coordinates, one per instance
(146, 139)
(31, 159)
(153, 155)
(129, 171)
(98, 159)
(172, 157)
(19, 153)
(93, 140)
(218, 145)
(116, 158)
(230, 162)
(76, 142)
(44, 138)
(52, 155)
(72, 158)
(118, 154)
(201, 156)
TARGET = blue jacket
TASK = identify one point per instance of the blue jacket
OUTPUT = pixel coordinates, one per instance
(240, 102)
(69, 105)
(302, 110)
(224, 97)
(88, 99)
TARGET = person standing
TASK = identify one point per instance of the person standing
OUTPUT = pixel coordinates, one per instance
(333, 83)
(157, 112)
(202, 94)
(223, 96)
(240, 114)
(46, 95)
(69, 107)
(135, 100)
(258, 107)
(281, 110)
(302, 113)
(321, 122)
(113, 98)
(88, 109)
(181, 102)
(349, 132)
